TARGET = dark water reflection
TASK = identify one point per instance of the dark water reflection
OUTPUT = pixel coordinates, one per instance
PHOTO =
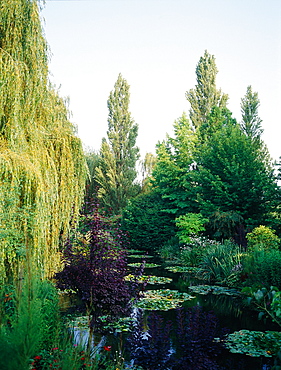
(230, 311)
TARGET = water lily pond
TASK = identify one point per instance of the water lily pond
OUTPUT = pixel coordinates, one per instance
(258, 347)
(214, 312)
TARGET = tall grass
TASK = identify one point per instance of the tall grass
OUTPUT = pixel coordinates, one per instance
(263, 267)
(221, 263)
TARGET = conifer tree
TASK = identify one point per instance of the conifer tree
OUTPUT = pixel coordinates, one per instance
(205, 96)
(117, 171)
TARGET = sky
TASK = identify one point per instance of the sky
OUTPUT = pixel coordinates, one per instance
(156, 45)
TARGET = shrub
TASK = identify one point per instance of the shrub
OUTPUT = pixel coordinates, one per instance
(69, 357)
(97, 273)
(262, 267)
(191, 224)
(263, 237)
(225, 225)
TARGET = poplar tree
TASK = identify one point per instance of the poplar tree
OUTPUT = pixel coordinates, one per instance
(147, 166)
(205, 96)
(93, 160)
(251, 122)
(117, 171)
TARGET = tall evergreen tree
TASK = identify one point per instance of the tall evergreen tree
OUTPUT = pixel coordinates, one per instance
(251, 122)
(117, 171)
(205, 96)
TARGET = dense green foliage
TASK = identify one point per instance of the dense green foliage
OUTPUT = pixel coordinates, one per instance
(264, 238)
(29, 322)
(93, 160)
(172, 175)
(148, 226)
(219, 263)
(191, 224)
(262, 267)
(217, 167)
(42, 167)
(232, 177)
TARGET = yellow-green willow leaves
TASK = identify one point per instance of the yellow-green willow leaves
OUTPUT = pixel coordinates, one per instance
(42, 166)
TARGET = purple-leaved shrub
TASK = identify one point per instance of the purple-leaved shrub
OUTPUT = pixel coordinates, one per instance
(95, 266)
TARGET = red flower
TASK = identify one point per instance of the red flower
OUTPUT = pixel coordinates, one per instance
(37, 357)
(107, 348)
(8, 298)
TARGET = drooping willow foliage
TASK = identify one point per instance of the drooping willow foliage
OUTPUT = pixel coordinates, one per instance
(42, 166)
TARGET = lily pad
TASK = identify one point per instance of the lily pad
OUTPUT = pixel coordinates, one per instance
(123, 324)
(149, 279)
(147, 265)
(81, 322)
(254, 343)
(134, 251)
(214, 289)
(139, 256)
(162, 299)
(182, 269)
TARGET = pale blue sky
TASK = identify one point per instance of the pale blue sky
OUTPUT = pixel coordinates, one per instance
(156, 45)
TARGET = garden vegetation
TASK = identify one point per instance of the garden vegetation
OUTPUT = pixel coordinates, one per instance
(79, 225)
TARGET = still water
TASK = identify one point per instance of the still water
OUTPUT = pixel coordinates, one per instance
(232, 315)
(228, 310)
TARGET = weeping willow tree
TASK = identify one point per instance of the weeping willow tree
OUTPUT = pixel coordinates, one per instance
(42, 166)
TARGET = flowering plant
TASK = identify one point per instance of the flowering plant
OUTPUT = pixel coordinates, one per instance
(57, 358)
